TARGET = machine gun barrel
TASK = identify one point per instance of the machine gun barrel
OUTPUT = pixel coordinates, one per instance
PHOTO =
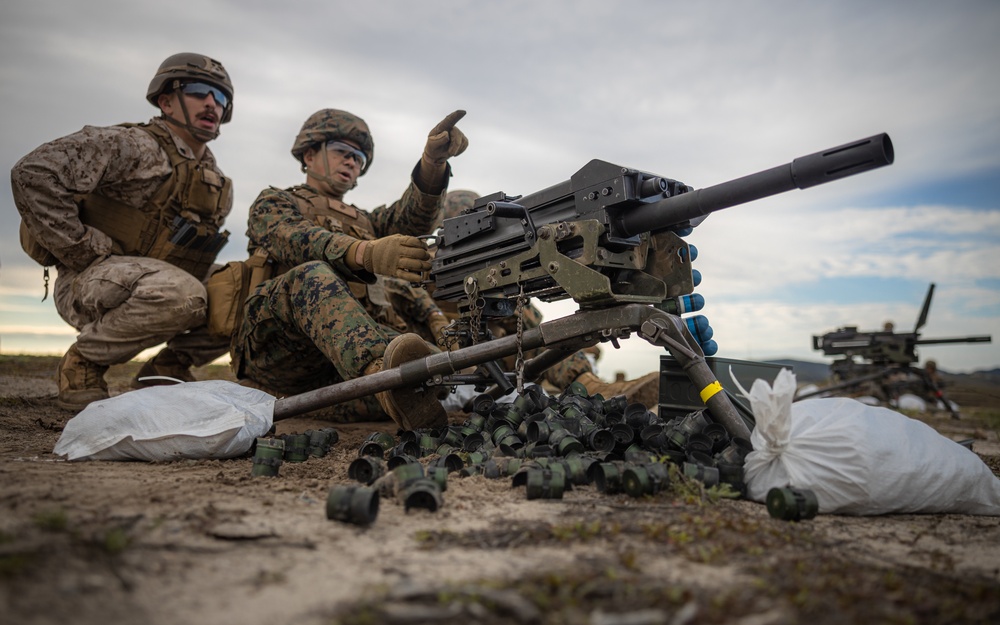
(803, 172)
(961, 339)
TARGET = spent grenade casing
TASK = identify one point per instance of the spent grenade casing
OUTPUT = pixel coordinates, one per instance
(267, 457)
(367, 469)
(792, 504)
(422, 493)
(296, 447)
(352, 504)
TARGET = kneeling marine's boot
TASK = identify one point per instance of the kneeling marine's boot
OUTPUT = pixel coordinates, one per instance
(80, 381)
(644, 390)
(412, 407)
(166, 364)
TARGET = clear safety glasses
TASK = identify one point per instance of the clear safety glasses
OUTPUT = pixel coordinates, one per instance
(347, 151)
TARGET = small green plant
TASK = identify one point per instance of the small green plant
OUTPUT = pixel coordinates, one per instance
(991, 418)
(116, 541)
(52, 520)
(577, 531)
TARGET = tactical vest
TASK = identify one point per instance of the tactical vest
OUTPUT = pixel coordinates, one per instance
(346, 219)
(180, 222)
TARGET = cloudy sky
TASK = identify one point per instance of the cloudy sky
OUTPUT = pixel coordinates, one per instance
(700, 92)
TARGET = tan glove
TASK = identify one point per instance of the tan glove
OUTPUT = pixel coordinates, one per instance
(436, 323)
(443, 142)
(395, 256)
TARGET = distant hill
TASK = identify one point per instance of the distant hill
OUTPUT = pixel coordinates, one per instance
(817, 372)
(986, 376)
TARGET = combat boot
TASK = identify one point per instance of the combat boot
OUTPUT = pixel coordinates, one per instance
(644, 390)
(413, 407)
(80, 381)
(166, 364)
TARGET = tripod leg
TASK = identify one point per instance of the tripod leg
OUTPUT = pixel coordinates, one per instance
(668, 331)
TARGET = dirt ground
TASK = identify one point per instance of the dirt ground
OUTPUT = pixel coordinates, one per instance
(204, 542)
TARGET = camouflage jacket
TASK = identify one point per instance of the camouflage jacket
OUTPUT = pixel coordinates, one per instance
(277, 224)
(123, 163)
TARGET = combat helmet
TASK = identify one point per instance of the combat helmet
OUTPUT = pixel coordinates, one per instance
(454, 203)
(330, 124)
(188, 66)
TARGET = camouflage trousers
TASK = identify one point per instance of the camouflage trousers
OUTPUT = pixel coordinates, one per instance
(125, 304)
(304, 330)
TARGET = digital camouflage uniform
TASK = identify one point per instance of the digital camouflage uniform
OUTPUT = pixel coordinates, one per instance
(413, 305)
(120, 303)
(318, 322)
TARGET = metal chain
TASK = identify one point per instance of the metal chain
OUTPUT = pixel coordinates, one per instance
(45, 279)
(475, 311)
(519, 362)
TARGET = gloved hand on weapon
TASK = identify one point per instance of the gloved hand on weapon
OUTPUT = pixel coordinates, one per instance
(395, 256)
(436, 323)
(444, 141)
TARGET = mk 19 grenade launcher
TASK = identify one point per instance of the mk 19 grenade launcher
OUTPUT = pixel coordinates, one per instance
(608, 235)
(609, 238)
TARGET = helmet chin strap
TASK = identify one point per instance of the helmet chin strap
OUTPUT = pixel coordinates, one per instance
(325, 177)
(198, 133)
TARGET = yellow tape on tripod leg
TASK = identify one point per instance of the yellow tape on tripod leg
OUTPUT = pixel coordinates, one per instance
(709, 391)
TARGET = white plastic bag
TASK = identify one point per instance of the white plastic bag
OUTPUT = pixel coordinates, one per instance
(860, 459)
(208, 419)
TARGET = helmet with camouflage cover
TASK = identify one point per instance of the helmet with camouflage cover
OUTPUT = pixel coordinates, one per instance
(454, 203)
(331, 124)
(191, 67)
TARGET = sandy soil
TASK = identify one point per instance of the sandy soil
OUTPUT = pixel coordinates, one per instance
(204, 542)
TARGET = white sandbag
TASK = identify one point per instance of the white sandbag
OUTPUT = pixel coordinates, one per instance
(208, 419)
(911, 402)
(861, 459)
(458, 397)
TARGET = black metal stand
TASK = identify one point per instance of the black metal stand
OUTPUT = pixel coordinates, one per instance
(883, 376)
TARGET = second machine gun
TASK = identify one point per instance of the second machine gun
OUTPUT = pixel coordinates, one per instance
(609, 239)
(884, 357)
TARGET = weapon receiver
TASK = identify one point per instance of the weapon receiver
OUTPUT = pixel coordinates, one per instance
(607, 235)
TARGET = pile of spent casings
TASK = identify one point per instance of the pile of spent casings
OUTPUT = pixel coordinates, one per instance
(546, 444)
(269, 453)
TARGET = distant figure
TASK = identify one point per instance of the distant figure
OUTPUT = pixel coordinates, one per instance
(930, 368)
(888, 326)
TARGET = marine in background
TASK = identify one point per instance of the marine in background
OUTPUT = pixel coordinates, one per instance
(131, 217)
